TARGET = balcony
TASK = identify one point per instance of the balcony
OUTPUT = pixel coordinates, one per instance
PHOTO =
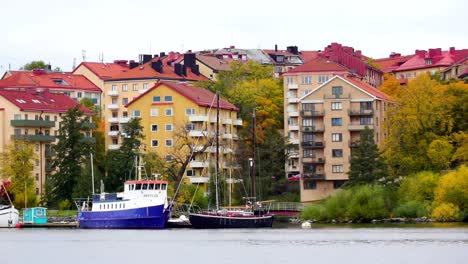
(197, 133)
(32, 123)
(199, 164)
(312, 129)
(313, 160)
(235, 137)
(293, 127)
(213, 119)
(293, 114)
(227, 136)
(113, 93)
(113, 133)
(292, 169)
(194, 179)
(293, 155)
(312, 113)
(293, 100)
(198, 118)
(113, 147)
(313, 176)
(293, 86)
(294, 141)
(312, 144)
(88, 125)
(358, 127)
(124, 120)
(337, 96)
(34, 138)
(362, 112)
(88, 140)
(113, 106)
(227, 121)
(237, 122)
(113, 120)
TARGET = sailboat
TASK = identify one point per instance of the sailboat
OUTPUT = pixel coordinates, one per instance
(9, 216)
(225, 218)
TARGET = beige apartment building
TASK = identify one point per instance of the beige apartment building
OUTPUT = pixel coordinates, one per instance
(331, 118)
(34, 116)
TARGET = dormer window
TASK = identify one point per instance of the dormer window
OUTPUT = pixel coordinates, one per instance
(428, 61)
(21, 101)
(279, 58)
(36, 101)
(60, 81)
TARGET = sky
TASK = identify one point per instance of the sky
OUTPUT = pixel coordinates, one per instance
(60, 32)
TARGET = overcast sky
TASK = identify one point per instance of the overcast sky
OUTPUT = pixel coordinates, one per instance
(57, 31)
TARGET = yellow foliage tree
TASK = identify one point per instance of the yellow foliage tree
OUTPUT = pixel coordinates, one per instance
(453, 188)
(446, 212)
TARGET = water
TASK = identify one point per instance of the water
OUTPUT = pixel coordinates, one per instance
(321, 244)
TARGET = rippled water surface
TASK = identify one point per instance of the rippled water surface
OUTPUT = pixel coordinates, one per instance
(324, 244)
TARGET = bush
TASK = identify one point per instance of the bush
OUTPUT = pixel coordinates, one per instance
(419, 187)
(453, 188)
(314, 212)
(336, 206)
(446, 212)
(411, 209)
(65, 205)
(367, 203)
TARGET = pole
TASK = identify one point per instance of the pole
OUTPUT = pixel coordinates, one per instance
(217, 151)
(254, 191)
(92, 173)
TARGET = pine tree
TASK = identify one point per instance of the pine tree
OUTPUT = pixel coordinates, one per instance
(366, 165)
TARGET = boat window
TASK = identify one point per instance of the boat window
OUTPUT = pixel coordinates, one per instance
(138, 186)
(151, 186)
(145, 186)
(163, 186)
(131, 187)
(157, 186)
(124, 206)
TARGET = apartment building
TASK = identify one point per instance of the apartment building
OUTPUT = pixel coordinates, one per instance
(76, 86)
(431, 61)
(284, 60)
(34, 115)
(171, 112)
(331, 118)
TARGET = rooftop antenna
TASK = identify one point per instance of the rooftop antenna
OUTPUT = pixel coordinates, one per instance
(74, 63)
(83, 54)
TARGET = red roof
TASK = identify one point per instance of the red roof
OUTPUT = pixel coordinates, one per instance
(44, 79)
(104, 71)
(319, 64)
(308, 55)
(198, 95)
(43, 101)
(145, 71)
(367, 88)
(391, 63)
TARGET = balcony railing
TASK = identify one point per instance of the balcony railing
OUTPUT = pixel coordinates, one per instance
(293, 86)
(88, 125)
(34, 138)
(88, 140)
(313, 160)
(199, 164)
(113, 133)
(32, 123)
(312, 129)
(113, 93)
(337, 96)
(113, 120)
(113, 147)
(293, 113)
(313, 176)
(113, 106)
(293, 100)
(124, 120)
(362, 112)
(312, 144)
(312, 113)
(198, 118)
(237, 122)
(227, 136)
(227, 121)
(194, 179)
(358, 126)
(198, 133)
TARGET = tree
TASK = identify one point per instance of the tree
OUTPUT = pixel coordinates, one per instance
(33, 65)
(453, 189)
(391, 86)
(16, 164)
(419, 187)
(366, 165)
(72, 150)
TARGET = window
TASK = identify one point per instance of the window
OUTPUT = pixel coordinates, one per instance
(428, 61)
(17, 131)
(336, 106)
(78, 94)
(124, 87)
(310, 185)
(37, 162)
(189, 127)
(336, 153)
(114, 100)
(337, 91)
(306, 79)
(124, 101)
(305, 92)
(17, 117)
(366, 121)
(135, 87)
(365, 106)
(154, 128)
(156, 99)
(308, 153)
(136, 113)
(124, 114)
(169, 127)
(145, 86)
(154, 143)
(189, 111)
(307, 122)
(337, 137)
(168, 142)
(308, 106)
(278, 69)
(190, 173)
(154, 112)
(338, 184)
(289, 80)
(37, 147)
(337, 168)
(114, 87)
(322, 78)
(337, 121)
(168, 111)
(168, 98)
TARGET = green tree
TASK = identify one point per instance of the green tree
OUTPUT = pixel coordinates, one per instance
(33, 65)
(366, 164)
(16, 164)
(419, 187)
(72, 150)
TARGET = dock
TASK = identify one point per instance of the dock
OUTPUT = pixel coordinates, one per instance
(50, 225)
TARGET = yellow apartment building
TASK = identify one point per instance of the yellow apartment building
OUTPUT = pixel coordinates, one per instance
(330, 120)
(34, 116)
(169, 109)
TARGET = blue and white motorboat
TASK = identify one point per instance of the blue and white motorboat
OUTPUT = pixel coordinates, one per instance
(142, 205)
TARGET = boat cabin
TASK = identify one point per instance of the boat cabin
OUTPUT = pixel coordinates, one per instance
(142, 185)
(35, 215)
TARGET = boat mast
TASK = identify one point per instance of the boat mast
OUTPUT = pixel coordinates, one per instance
(254, 192)
(217, 151)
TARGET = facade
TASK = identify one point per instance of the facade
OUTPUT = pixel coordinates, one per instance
(34, 115)
(76, 86)
(458, 71)
(284, 60)
(331, 117)
(172, 112)
(209, 65)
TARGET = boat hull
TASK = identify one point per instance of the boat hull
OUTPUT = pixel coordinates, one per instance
(222, 221)
(9, 216)
(151, 217)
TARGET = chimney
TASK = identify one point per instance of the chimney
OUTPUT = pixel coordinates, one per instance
(293, 49)
(232, 47)
(276, 47)
(144, 58)
(195, 69)
(39, 71)
(394, 55)
(133, 64)
(420, 53)
(178, 69)
(184, 70)
(452, 50)
(189, 59)
(121, 62)
(157, 66)
(162, 54)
